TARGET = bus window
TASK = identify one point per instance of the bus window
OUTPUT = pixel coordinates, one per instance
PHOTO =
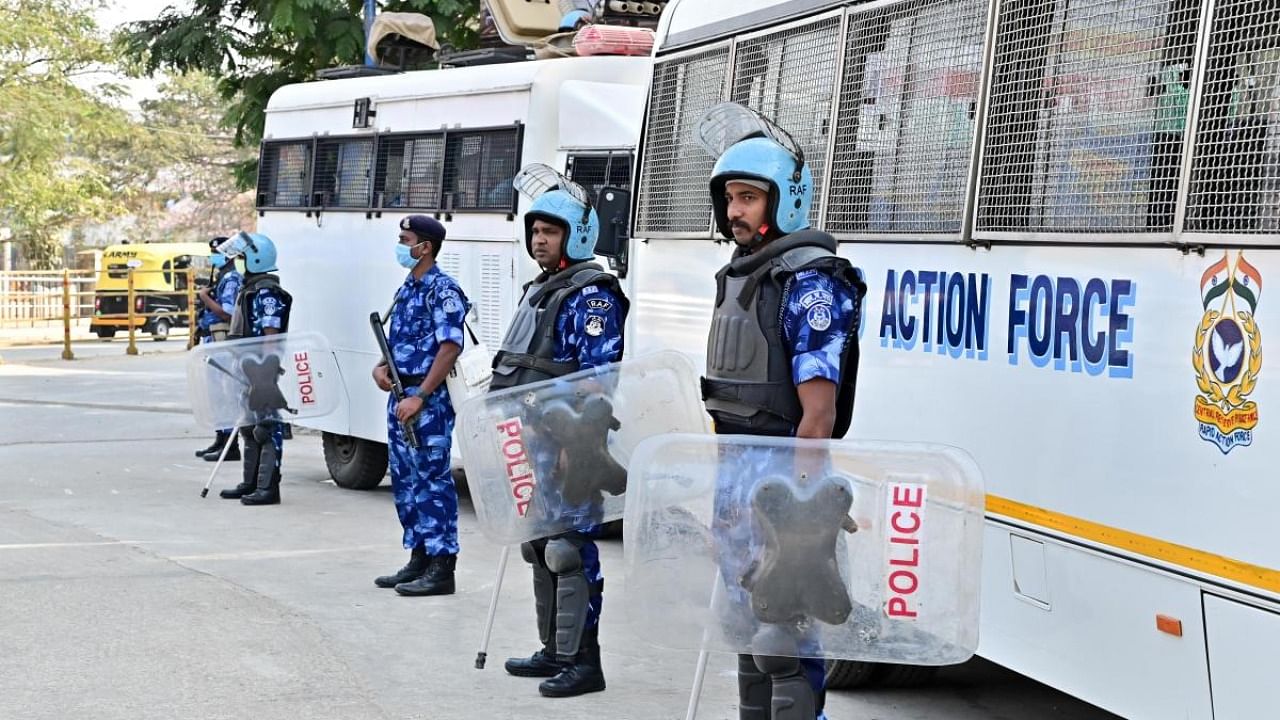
(1082, 90)
(167, 271)
(283, 172)
(595, 172)
(788, 76)
(409, 171)
(479, 166)
(905, 127)
(672, 197)
(1236, 165)
(342, 169)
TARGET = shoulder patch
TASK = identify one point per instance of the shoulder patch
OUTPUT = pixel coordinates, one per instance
(601, 304)
(590, 290)
(595, 326)
(818, 296)
(819, 317)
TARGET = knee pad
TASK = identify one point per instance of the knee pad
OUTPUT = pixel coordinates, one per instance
(777, 665)
(563, 557)
(529, 553)
(262, 432)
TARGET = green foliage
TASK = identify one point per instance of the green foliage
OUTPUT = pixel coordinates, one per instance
(64, 145)
(255, 46)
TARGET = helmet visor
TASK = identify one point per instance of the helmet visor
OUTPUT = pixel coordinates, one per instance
(237, 245)
(538, 178)
(728, 124)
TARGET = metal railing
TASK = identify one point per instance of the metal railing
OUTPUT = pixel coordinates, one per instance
(30, 298)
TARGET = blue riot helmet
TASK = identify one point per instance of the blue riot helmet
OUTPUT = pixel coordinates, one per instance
(750, 147)
(574, 13)
(258, 251)
(559, 200)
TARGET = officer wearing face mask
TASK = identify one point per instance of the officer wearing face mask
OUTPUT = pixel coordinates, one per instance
(425, 337)
(214, 322)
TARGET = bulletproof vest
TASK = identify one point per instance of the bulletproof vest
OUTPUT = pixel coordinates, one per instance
(748, 387)
(241, 323)
(527, 351)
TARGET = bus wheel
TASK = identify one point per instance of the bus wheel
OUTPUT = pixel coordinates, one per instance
(106, 333)
(160, 331)
(354, 463)
(904, 676)
(849, 674)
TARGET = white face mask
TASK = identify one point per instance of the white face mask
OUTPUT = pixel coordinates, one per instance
(404, 255)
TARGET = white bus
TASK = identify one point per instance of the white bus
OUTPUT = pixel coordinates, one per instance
(1058, 284)
(344, 160)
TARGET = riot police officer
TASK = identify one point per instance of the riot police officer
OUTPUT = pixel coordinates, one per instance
(261, 309)
(790, 366)
(425, 339)
(570, 318)
(217, 302)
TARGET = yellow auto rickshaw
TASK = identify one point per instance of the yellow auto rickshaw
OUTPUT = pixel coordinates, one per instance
(159, 286)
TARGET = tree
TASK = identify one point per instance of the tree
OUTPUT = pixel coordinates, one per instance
(65, 148)
(256, 46)
(191, 192)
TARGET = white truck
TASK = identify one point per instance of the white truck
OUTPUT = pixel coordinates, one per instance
(1065, 211)
(344, 160)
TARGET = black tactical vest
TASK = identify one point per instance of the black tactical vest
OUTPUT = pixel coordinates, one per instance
(749, 387)
(527, 351)
(240, 321)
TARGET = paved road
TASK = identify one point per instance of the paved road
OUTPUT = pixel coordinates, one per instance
(89, 349)
(126, 596)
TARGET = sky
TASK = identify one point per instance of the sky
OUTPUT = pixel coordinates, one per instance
(120, 12)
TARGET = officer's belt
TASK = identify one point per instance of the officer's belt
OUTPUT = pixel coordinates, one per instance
(409, 381)
(762, 396)
(542, 365)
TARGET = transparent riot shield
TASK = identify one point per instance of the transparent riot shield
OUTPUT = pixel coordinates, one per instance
(803, 548)
(552, 456)
(286, 377)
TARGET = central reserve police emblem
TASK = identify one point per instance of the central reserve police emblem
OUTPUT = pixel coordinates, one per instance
(1228, 353)
(595, 326)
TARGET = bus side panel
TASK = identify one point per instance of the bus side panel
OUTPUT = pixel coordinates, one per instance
(1096, 635)
(1244, 652)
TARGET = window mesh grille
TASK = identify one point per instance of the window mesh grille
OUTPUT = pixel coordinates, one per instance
(1087, 114)
(283, 174)
(905, 133)
(789, 76)
(479, 167)
(1235, 171)
(409, 172)
(673, 196)
(342, 173)
(595, 172)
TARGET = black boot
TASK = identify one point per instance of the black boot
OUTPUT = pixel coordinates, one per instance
(437, 580)
(216, 446)
(233, 455)
(413, 570)
(541, 664)
(265, 496)
(249, 480)
(268, 489)
(581, 673)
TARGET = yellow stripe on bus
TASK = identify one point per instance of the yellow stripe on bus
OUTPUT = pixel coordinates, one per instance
(1190, 558)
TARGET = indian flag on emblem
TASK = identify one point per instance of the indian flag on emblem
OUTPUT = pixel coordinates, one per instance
(1247, 284)
(1216, 281)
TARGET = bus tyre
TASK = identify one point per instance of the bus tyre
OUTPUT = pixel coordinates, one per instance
(354, 463)
(106, 333)
(849, 674)
(903, 676)
(160, 331)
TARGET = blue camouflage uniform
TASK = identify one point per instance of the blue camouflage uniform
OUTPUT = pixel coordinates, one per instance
(818, 321)
(588, 331)
(428, 312)
(268, 309)
(225, 292)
